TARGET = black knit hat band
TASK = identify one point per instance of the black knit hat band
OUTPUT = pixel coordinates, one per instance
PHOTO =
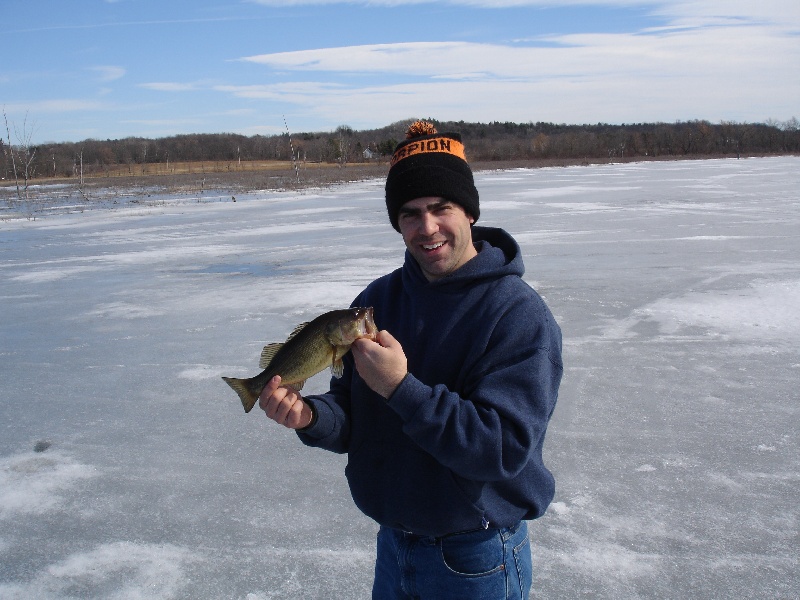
(430, 164)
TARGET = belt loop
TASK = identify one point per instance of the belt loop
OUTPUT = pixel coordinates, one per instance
(509, 532)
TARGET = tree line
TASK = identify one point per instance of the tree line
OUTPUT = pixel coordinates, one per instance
(494, 141)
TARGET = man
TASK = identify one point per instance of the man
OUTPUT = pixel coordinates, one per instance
(443, 415)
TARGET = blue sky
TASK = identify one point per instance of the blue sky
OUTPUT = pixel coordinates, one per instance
(112, 69)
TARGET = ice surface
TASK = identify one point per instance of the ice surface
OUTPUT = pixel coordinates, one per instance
(129, 470)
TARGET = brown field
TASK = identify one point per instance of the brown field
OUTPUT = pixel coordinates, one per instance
(199, 175)
(245, 175)
(203, 168)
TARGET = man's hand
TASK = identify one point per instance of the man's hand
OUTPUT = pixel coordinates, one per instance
(284, 405)
(381, 363)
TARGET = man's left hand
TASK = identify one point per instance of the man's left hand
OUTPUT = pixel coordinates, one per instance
(382, 363)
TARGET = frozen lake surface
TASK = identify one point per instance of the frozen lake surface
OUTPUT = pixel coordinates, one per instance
(129, 470)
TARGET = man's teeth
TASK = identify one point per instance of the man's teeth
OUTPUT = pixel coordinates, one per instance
(432, 246)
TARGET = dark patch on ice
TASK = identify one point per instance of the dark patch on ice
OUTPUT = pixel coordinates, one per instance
(42, 445)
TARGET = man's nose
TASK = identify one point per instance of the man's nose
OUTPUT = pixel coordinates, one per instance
(428, 224)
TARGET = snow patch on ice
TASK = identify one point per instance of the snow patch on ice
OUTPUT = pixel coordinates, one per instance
(583, 207)
(767, 310)
(124, 310)
(327, 560)
(31, 482)
(571, 190)
(608, 560)
(122, 570)
(503, 204)
(309, 211)
(200, 372)
(713, 238)
(48, 275)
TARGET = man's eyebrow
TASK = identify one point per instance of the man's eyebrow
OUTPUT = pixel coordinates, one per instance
(432, 206)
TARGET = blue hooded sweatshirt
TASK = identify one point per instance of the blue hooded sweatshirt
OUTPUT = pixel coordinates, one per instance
(458, 445)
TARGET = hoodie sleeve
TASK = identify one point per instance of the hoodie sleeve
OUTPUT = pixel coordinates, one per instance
(330, 429)
(491, 432)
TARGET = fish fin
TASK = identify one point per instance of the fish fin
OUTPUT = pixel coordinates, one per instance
(297, 330)
(268, 353)
(245, 395)
(337, 368)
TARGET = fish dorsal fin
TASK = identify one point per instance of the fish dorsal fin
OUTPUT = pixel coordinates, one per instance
(268, 353)
(297, 330)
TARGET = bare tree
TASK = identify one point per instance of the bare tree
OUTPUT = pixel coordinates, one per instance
(342, 141)
(291, 147)
(11, 151)
(81, 191)
(26, 152)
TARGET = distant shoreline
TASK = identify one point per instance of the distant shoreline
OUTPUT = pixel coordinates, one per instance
(46, 195)
(280, 174)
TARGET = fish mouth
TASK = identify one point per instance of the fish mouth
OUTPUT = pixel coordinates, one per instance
(367, 328)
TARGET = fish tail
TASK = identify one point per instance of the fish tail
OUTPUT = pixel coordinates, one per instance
(240, 386)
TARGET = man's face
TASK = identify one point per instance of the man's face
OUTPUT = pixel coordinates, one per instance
(437, 233)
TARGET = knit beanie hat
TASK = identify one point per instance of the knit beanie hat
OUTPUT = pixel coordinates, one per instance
(428, 163)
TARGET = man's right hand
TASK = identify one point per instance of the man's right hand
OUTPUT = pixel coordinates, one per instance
(284, 405)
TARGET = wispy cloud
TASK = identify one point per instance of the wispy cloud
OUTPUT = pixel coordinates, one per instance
(783, 14)
(422, 58)
(471, 3)
(108, 72)
(296, 89)
(161, 122)
(56, 106)
(683, 53)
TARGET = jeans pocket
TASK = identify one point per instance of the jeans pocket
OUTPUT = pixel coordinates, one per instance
(473, 554)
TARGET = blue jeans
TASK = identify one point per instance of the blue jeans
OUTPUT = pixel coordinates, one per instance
(490, 564)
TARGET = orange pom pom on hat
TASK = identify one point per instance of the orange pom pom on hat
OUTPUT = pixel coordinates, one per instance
(428, 163)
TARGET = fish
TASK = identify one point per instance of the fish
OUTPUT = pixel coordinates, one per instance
(309, 349)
